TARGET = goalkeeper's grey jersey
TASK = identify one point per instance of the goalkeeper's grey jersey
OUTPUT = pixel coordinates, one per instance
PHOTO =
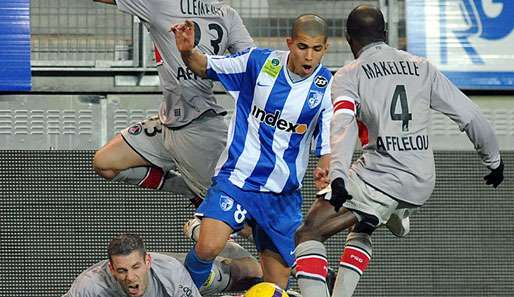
(385, 97)
(218, 28)
(168, 278)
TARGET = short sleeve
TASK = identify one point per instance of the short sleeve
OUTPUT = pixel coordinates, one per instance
(322, 132)
(229, 70)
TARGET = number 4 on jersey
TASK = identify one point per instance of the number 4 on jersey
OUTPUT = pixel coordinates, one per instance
(404, 116)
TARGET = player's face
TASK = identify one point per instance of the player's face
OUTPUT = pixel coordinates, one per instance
(305, 53)
(132, 272)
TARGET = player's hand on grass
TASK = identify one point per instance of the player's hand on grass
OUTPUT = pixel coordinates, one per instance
(495, 178)
(339, 193)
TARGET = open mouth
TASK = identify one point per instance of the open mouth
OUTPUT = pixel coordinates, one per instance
(133, 289)
(307, 68)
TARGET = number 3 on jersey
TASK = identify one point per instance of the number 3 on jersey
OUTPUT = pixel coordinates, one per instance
(215, 43)
(404, 116)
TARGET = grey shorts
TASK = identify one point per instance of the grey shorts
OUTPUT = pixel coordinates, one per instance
(369, 200)
(192, 150)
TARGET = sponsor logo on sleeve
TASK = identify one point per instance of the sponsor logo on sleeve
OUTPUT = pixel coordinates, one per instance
(136, 129)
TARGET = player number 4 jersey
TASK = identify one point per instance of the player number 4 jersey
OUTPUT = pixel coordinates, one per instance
(391, 93)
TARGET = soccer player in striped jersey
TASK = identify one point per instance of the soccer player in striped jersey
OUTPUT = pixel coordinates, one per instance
(385, 98)
(282, 106)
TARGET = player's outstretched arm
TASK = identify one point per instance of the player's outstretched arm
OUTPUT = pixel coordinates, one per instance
(448, 99)
(185, 40)
(112, 2)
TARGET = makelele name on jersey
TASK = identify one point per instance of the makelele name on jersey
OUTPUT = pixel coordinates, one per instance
(384, 68)
(405, 143)
(274, 120)
(197, 7)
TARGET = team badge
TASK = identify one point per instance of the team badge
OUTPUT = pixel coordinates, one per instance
(314, 98)
(136, 129)
(226, 203)
(320, 81)
(275, 62)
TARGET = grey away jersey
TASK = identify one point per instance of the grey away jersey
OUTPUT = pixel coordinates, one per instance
(385, 97)
(218, 28)
(169, 278)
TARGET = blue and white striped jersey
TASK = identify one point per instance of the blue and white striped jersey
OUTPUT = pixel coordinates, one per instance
(274, 121)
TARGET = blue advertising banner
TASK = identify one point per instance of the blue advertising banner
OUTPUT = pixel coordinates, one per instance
(471, 41)
(15, 74)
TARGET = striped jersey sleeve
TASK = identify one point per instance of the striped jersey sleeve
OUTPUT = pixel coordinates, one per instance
(229, 70)
(322, 131)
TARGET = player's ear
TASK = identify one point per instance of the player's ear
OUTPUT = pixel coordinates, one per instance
(111, 268)
(148, 259)
(289, 41)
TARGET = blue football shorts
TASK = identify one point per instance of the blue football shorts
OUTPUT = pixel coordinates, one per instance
(273, 217)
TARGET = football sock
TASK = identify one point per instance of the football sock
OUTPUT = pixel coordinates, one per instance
(218, 280)
(146, 177)
(153, 177)
(311, 269)
(354, 261)
(198, 268)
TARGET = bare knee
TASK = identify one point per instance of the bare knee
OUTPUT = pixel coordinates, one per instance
(101, 168)
(208, 250)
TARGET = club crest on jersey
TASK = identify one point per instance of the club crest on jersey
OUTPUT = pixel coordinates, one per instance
(320, 81)
(315, 98)
(136, 129)
(274, 120)
(226, 203)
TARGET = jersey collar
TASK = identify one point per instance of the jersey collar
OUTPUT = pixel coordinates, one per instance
(286, 72)
(369, 48)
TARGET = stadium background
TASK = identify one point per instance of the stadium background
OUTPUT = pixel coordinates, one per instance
(92, 75)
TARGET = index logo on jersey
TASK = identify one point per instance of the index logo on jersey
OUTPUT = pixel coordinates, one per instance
(274, 120)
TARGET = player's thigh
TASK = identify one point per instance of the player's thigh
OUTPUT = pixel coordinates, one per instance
(322, 221)
(274, 269)
(213, 237)
(138, 145)
(221, 215)
(368, 200)
(196, 149)
(117, 155)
